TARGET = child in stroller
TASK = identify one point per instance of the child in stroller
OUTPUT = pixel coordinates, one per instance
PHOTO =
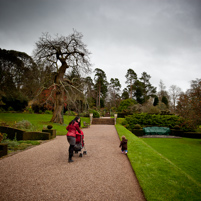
(79, 144)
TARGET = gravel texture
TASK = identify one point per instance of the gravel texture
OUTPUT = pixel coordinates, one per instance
(43, 173)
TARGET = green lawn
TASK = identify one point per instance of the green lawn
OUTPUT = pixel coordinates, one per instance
(39, 121)
(184, 153)
(167, 169)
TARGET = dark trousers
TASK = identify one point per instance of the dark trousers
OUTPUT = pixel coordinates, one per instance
(71, 147)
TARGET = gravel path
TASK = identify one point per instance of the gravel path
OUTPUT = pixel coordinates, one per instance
(43, 173)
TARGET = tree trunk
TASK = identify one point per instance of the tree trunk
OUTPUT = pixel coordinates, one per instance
(99, 94)
(131, 89)
(58, 106)
(59, 100)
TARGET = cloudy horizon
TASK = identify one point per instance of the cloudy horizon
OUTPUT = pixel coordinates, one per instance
(161, 38)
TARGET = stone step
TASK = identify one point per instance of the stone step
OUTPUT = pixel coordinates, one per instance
(107, 121)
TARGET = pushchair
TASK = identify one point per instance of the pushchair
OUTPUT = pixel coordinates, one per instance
(79, 146)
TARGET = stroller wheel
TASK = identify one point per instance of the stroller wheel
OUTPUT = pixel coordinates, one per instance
(85, 152)
(80, 155)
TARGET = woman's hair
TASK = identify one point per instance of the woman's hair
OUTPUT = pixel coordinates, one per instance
(123, 137)
(75, 120)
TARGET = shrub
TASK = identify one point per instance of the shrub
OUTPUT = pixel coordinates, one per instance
(95, 113)
(24, 124)
(48, 112)
(127, 105)
(137, 126)
(177, 127)
(3, 137)
(29, 110)
(84, 114)
(70, 113)
(10, 109)
(12, 144)
(36, 107)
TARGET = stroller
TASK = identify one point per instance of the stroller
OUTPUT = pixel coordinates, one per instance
(79, 144)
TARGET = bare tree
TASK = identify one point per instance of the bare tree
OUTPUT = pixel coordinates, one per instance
(162, 92)
(62, 53)
(174, 92)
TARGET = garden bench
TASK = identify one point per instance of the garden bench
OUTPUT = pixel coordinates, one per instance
(156, 131)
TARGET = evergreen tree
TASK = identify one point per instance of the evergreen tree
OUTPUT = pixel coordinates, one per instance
(156, 101)
(100, 85)
(131, 77)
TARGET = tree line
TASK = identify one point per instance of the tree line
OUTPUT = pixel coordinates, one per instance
(55, 78)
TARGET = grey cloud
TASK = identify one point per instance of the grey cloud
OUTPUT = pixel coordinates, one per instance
(148, 35)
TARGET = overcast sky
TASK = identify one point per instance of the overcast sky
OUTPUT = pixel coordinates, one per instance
(159, 37)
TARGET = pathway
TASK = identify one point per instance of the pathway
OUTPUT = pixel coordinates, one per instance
(43, 173)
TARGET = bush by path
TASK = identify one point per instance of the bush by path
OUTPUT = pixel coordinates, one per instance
(159, 176)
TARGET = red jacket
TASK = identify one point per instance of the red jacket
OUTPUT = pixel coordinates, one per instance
(72, 129)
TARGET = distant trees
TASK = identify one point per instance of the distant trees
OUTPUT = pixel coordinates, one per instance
(100, 85)
(115, 87)
(163, 97)
(189, 103)
(139, 89)
(148, 89)
(131, 77)
(174, 93)
(62, 53)
(89, 92)
(156, 101)
(58, 67)
(19, 78)
(125, 94)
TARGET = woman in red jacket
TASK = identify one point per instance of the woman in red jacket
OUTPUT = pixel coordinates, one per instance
(71, 135)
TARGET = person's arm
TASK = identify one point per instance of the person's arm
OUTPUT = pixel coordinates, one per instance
(78, 128)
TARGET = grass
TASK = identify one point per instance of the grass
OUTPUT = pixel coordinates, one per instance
(162, 167)
(183, 153)
(39, 121)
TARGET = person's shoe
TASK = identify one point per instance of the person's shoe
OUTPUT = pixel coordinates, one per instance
(70, 160)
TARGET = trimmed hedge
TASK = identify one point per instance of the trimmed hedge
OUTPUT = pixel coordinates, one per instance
(36, 136)
(12, 132)
(145, 120)
(173, 132)
(52, 132)
(46, 134)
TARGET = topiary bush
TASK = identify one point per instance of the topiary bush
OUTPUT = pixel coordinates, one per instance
(176, 127)
(49, 126)
(137, 126)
